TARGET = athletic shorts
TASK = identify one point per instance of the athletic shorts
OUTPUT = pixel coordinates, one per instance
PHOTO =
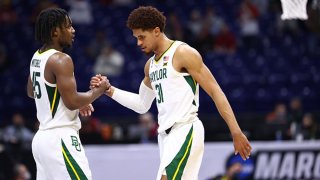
(59, 155)
(181, 151)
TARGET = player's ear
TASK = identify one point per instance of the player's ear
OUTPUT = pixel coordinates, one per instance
(157, 31)
(55, 32)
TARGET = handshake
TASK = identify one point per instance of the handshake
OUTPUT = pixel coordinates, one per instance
(99, 81)
(103, 86)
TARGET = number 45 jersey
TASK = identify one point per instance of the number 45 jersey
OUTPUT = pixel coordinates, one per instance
(177, 94)
(51, 111)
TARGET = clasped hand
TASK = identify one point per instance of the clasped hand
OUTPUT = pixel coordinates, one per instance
(97, 81)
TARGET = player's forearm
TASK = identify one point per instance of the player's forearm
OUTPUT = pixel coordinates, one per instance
(81, 99)
(227, 114)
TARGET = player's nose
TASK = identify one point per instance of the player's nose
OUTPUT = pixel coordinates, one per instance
(73, 30)
(139, 43)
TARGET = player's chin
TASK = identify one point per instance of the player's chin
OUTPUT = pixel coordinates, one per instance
(148, 53)
(67, 48)
(68, 45)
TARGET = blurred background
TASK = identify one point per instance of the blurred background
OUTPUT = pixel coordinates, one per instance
(268, 68)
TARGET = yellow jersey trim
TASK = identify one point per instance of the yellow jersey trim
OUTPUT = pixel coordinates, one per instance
(75, 172)
(184, 156)
(157, 60)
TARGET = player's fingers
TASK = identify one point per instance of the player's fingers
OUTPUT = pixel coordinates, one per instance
(248, 147)
(94, 83)
(99, 76)
(91, 107)
(95, 79)
(243, 148)
(247, 150)
(243, 156)
(102, 77)
(246, 153)
(83, 113)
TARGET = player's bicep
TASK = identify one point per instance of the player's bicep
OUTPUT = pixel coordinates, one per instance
(193, 63)
(206, 80)
(66, 83)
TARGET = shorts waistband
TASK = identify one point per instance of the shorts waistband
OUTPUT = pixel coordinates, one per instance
(59, 127)
(179, 124)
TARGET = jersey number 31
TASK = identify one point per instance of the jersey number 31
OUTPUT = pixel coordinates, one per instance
(160, 93)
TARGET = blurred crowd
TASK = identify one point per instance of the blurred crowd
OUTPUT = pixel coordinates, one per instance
(268, 68)
(257, 58)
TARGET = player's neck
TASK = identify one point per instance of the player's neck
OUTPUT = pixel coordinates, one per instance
(46, 47)
(164, 44)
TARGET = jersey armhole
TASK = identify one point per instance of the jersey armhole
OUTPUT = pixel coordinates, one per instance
(177, 73)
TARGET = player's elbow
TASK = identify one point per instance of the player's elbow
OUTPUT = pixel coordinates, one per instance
(73, 101)
(72, 108)
(142, 109)
(70, 105)
(30, 94)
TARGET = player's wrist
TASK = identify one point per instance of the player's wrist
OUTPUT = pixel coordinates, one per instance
(236, 133)
(96, 92)
(109, 92)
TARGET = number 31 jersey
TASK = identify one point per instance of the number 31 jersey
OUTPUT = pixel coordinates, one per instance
(177, 94)
(51, 111)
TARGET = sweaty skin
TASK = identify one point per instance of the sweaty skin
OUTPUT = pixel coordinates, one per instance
(188, 59)
(60, 70)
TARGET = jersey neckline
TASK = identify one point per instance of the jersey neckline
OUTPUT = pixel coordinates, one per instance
(38, 51)
(163, 52)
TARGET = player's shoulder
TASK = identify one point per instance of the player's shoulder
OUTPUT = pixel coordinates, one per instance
(59, 61)
(185, 50)
(60, 58)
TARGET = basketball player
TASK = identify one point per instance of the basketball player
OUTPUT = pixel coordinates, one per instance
(56, 147)
(172, 76)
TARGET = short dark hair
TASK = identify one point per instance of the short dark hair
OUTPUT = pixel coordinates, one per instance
(146, 18)
(47, 20)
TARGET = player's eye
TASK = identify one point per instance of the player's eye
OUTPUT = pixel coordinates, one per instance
(141, 37)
